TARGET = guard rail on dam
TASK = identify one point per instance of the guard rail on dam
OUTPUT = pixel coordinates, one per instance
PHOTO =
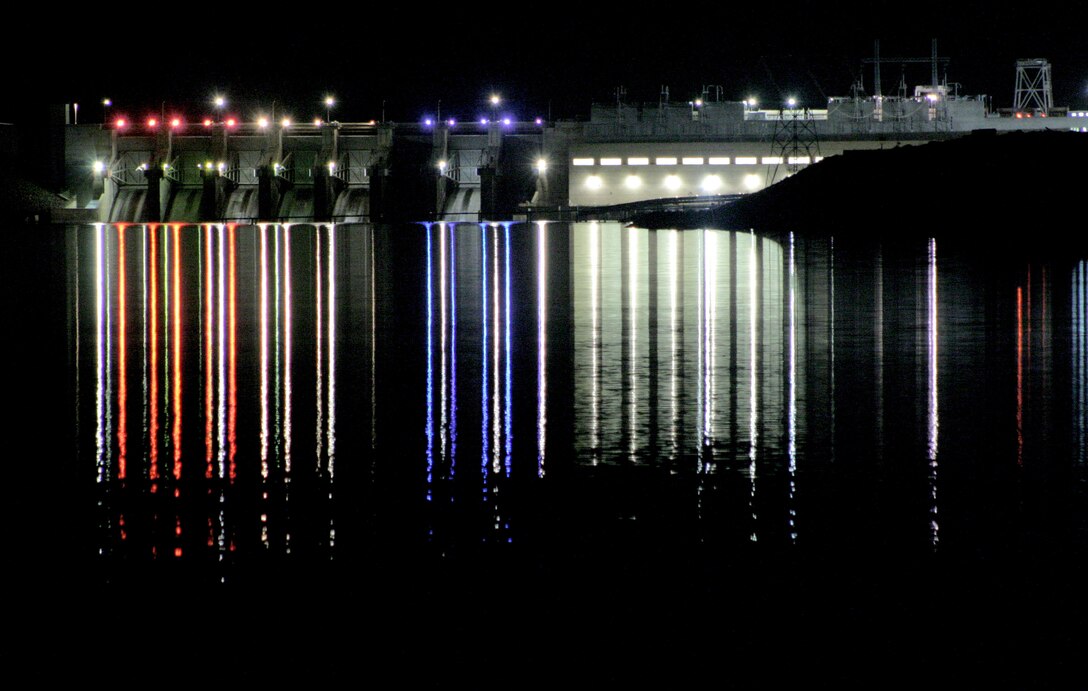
(308, 172)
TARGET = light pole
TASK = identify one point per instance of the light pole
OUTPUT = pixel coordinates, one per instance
(329, 102)
(219, 103)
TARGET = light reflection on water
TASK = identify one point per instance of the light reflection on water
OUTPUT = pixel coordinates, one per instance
(771, 378)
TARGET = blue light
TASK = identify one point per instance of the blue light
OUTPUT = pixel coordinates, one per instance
(506, 121)
(508, 415)
(429, 428)
(453, 352)
(539, 121)
(451, 122)
(484, 422)
(428, 122)
(483, 121)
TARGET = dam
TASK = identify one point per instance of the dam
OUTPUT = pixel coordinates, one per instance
(624, 155)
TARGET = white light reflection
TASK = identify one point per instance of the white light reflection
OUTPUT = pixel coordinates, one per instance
(102, 329)
(331, 442)
(753, 417)
(318, 332)
(632, 311)
(429, 425)
(541, 344)
(287, 349)
(701, 333)
(710, 309)
(595, 337)
(264, 350)
(674, 290)
(931, 397)
(332, 351)
(792, 410)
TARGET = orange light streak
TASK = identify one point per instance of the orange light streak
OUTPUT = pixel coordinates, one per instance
(122, 388)
(232, 414)
(177, 351)
(154, 470)
(208, 291)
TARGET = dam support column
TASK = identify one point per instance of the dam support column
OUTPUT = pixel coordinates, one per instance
(381, 199)
(153, 203)
(215, 192)
(441, 160)
(327, 186)
(270, 189)
(215, 186)
(489, 174)
(270, 186)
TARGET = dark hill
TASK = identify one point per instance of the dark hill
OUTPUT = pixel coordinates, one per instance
(984, 184)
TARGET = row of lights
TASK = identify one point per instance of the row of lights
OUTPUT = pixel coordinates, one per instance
(710, 183)
(507, 121)
(176, 123)
(540, 165)
(220, 103)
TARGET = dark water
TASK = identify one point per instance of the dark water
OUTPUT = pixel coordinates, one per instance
(504, 452)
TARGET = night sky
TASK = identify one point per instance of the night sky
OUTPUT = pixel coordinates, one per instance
(559, 55)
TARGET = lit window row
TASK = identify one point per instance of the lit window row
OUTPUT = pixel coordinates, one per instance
(694, 161)
(709, 184)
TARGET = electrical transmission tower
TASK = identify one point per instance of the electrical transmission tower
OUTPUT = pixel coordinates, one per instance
(795, 143)
(1033, 90)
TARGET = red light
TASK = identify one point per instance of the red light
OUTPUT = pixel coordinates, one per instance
(176, 122)
(1019, 116)
(231, 122)
(120, 123)
(207, 122)
(152, 122)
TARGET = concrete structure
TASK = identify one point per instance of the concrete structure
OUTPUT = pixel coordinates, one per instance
(219, 171)
(630, 153)
(289, 172)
